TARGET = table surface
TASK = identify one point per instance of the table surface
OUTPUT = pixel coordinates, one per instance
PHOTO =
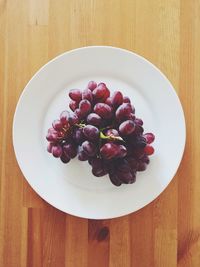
(167, 231)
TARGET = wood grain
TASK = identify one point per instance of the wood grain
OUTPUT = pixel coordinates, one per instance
(166, 233)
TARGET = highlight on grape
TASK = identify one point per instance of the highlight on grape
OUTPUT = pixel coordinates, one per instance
(103, 130)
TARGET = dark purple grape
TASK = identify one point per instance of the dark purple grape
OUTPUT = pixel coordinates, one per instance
(103, 110)
(64, 118)
(138, 129)
(73, 105)
(133, 163)
(127, 127)
(65, 159)
(126, 99)
(73, 119)
(87, 94)
(89, 148)
(78, 136)
(126, 177)
(123, 165)
(149, 137)
(75, 94)
(109, 150)
(96, 162)
(70, 150)
(141, 166)
(138, 122)
(91, 132)
(98, 168)
(57, 125)
(82, 156)
(122, 151)
(92, 85)
(139, 142)
(98, 172)
(94, 119)
(85, 106)
(57, 151)
(138, 153)
(114, 179)
(145, 159)
(123, 111)
(117, 99)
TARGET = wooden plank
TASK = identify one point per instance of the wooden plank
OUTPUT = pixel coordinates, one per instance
(166, 232)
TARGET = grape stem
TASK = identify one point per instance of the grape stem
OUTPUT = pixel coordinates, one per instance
(111, 137)
(102, 135)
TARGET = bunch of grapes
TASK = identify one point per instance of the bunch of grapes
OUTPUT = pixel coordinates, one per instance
(103, 130)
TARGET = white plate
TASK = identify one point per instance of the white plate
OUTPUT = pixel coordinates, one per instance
(72, 188)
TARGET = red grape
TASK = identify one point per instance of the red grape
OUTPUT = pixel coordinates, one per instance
(92, 85)
(49, 147)
(94, 119)
(149, 137)
(108, 101)
(149, 150)
(52, 137)
(87, 94)
(91, 132)
(85, 106)
(57, 125)
(101, 92)
(73, 105)
(123, 111)
(131, 116)
(127, 127)
(57, 151)
(103, 110)
(78, 113)
(117, 98)
(109, 150)
(73, 119)
(126, 99)
(138, 121)
(75, 94)
(64, 117)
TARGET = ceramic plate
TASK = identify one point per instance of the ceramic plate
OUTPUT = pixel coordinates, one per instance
(71, 187)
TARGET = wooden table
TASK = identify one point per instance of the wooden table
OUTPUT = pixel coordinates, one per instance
(166, 233)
